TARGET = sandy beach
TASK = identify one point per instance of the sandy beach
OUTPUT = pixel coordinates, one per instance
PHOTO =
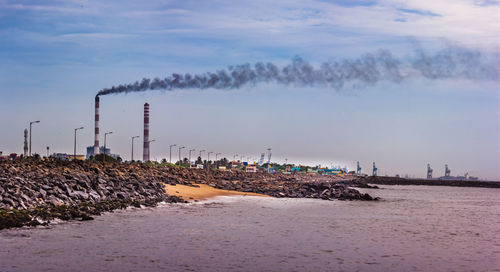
(202, 192)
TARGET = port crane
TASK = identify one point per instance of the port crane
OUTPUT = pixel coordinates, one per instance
(429, 171)
(447, 171)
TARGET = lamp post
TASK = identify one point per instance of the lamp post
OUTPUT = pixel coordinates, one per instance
(31, 123)
(150, 141)
(190, 150)
(200, 153)
(171, 152)
(105, 136)
(208, 159)
(132, 158)
(74, 147)
(180, 148)
(216, 161)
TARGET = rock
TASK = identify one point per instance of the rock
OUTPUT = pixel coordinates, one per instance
(9, 202)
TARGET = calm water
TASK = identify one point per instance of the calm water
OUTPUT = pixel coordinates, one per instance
(415, 228)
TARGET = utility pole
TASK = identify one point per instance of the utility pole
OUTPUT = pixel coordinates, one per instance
(180, 148)
(171, 152)
(104, 154)
(132, 157)
(31, 123)
(74, 147)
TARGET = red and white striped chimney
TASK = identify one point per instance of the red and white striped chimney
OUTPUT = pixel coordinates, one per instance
(96, 139)
(145, 152)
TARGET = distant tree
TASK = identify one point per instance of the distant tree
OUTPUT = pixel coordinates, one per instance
(199, 161)
(99, 157)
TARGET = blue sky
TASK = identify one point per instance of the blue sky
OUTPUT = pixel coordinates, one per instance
(56, 55)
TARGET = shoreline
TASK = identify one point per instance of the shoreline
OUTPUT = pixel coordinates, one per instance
(198, 192)
(33, 192)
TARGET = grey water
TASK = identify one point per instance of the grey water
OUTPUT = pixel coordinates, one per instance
(413, 228)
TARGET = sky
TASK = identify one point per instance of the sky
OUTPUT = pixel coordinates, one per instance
(56, 55)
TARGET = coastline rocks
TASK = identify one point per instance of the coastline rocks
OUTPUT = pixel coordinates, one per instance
(84, 188)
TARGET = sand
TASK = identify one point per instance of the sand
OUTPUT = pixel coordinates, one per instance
(190, 193)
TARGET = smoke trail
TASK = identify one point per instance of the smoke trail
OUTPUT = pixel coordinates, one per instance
(448, 63)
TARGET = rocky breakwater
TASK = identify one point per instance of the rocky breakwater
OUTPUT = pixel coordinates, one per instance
(35, 192)
(277, 184)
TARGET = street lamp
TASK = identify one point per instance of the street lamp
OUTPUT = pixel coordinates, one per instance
(31, 123)
(216, 161)
(180, 148)
(208, 159)
(150, 141)
(74, 147)
(133, 146)
(171, 152)
(190, 154)
(105, 135)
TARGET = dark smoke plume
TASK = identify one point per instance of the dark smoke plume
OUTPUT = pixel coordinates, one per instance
(452, 62)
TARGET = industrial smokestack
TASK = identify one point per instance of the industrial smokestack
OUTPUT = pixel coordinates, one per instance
(96, 137)
(145, 153)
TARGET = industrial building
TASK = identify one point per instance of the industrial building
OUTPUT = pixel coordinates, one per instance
(68, 157)
(91, 152)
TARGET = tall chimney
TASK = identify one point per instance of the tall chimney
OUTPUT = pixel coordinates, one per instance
(145, 153)
(96, 139)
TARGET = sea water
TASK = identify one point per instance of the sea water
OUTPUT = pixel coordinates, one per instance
(413, 228)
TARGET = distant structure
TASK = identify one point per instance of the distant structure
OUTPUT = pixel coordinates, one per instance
(358, 169)
(107, 151)
(67, 157)
(448, 176)
(447, 171)
(96, 127)
(269, 169)
(375, 170)
(25, 142)
(429, 171)
(145, 152)
(261, 160)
